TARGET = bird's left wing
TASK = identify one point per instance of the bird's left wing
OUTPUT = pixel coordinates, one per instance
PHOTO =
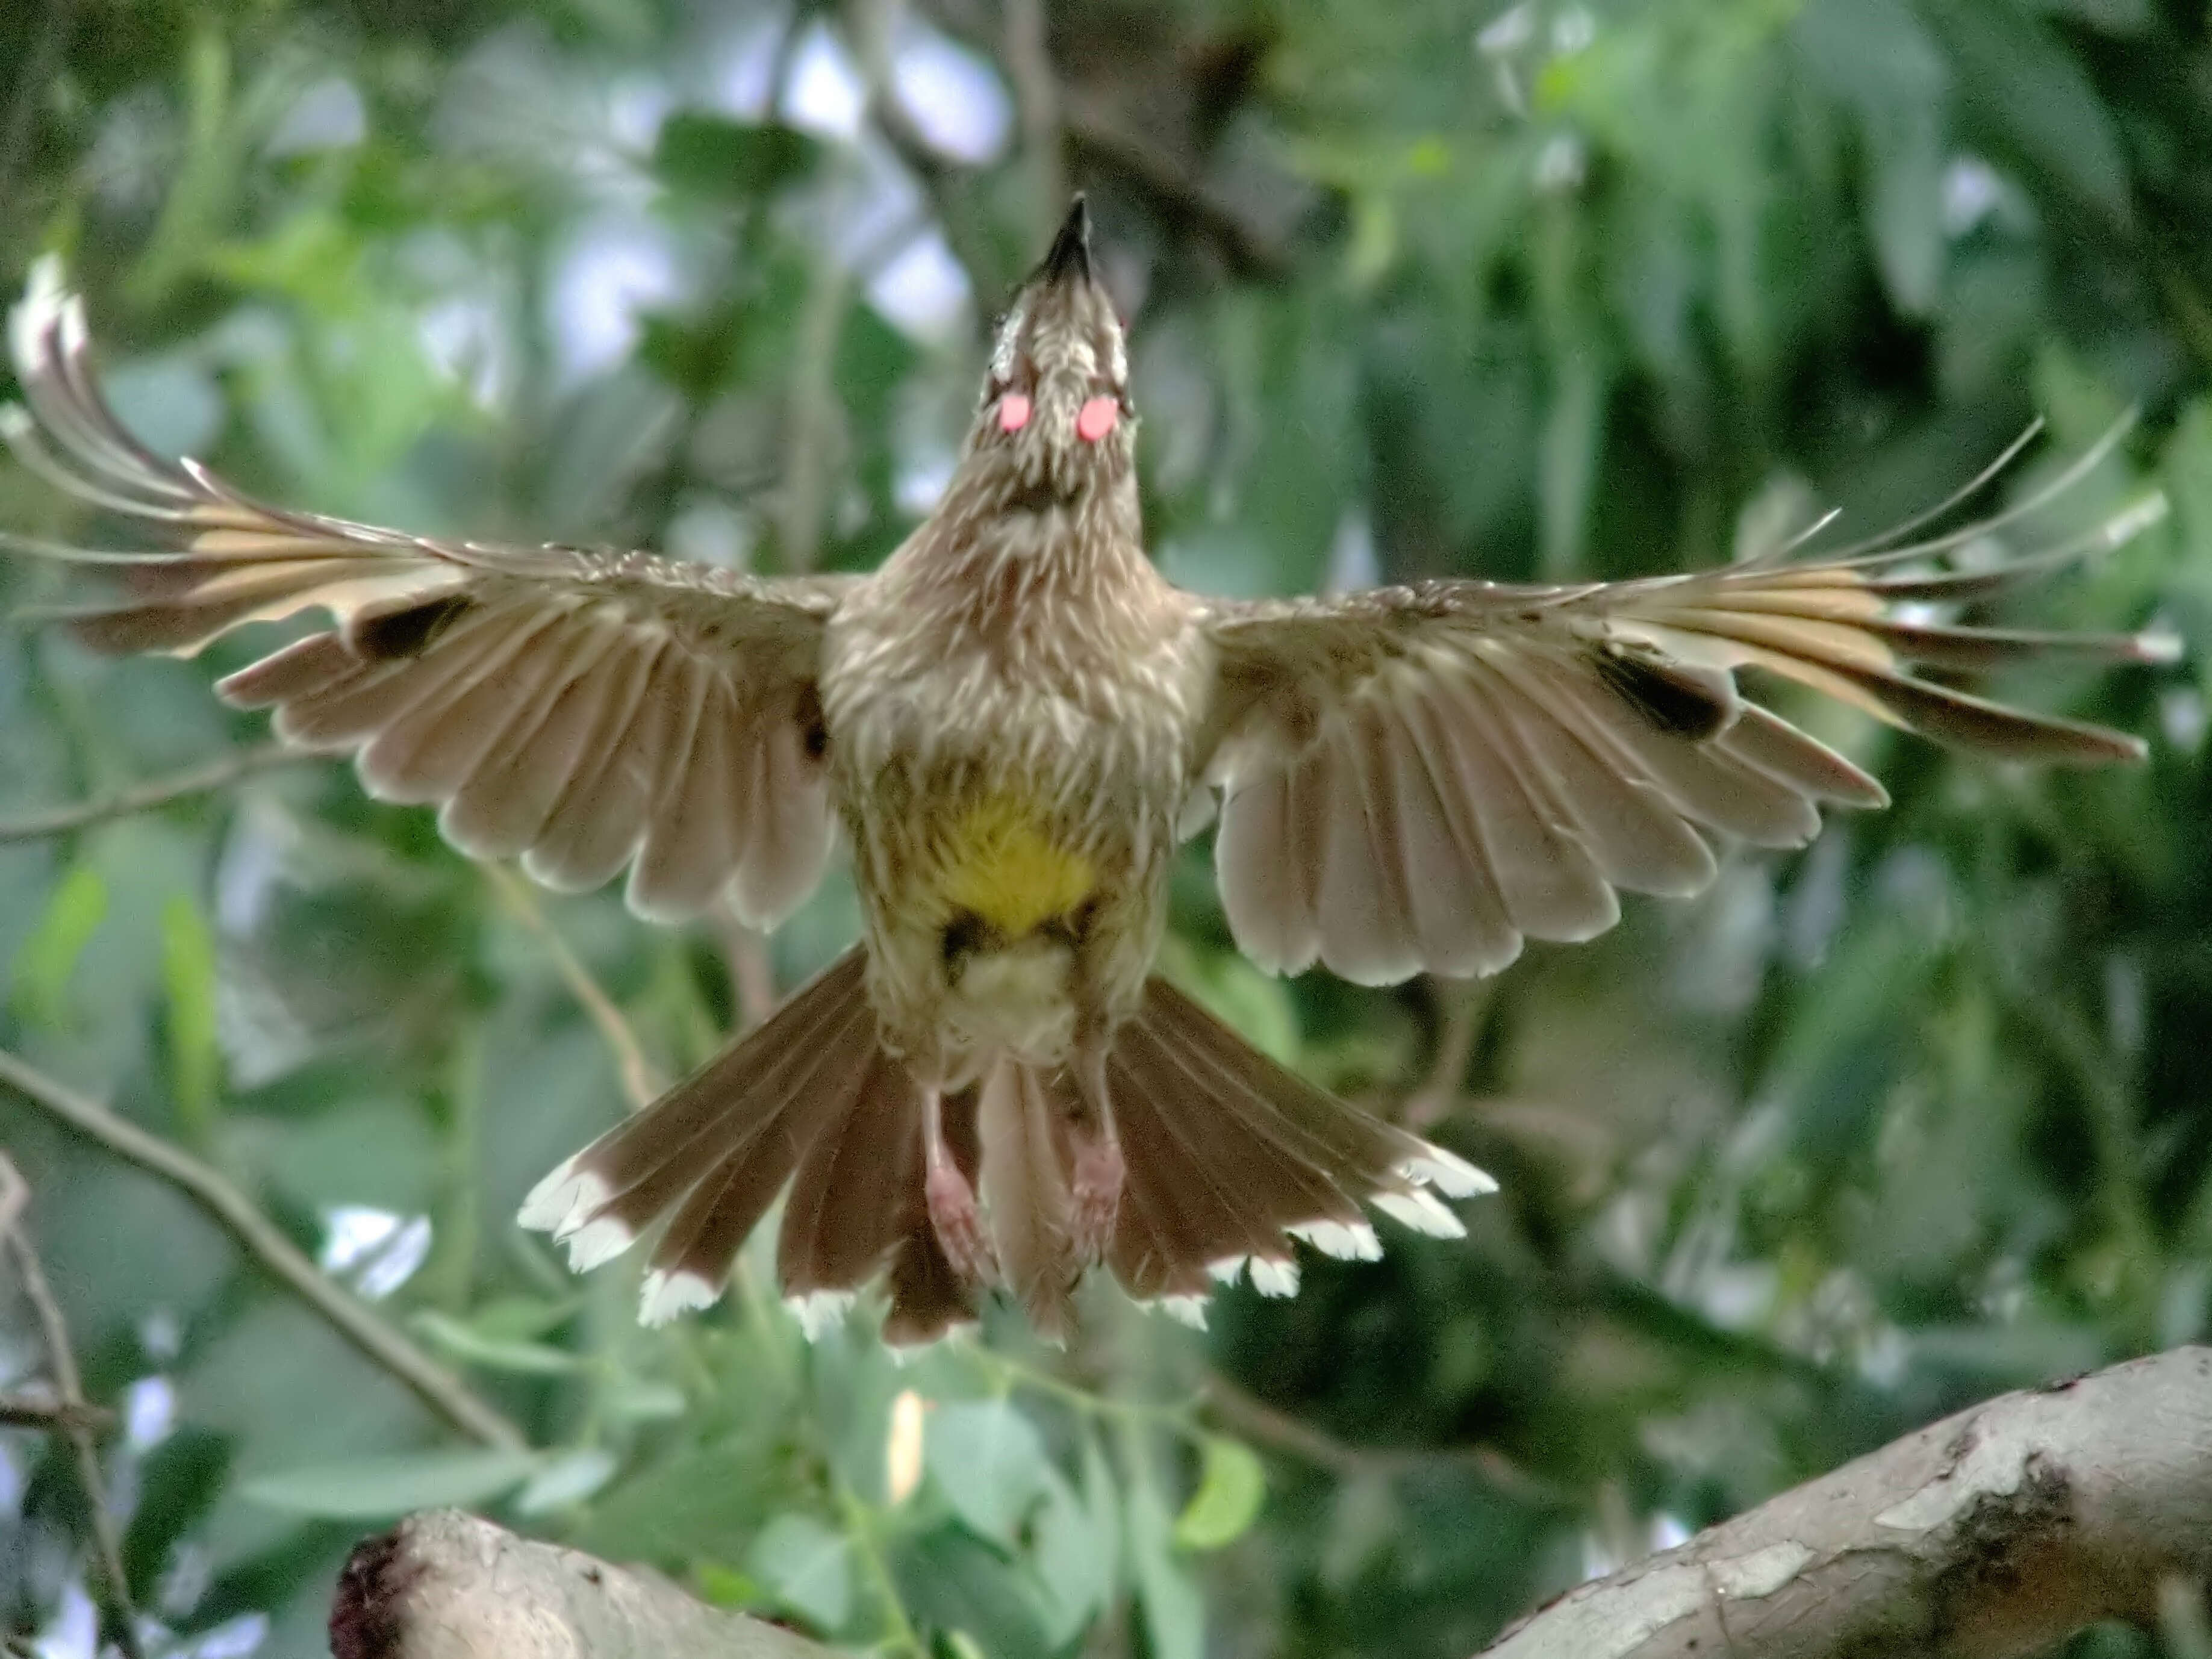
(1421, 777)
(587, 711)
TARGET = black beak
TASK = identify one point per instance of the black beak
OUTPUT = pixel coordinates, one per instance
(1070, 258)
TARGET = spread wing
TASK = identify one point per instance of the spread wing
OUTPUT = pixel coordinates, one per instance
(585, 711)
(1420, 778)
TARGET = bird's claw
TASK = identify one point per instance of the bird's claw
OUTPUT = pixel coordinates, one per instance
(1095, 1187)
(958, 1223)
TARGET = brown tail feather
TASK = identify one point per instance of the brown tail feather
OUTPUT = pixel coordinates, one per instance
(1027, 1187)
(1230, 1159)
(810, 1099)
(1232, 1156)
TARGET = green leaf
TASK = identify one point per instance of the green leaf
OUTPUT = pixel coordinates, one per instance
(1175, 1616)
(566, 1480)
(374, 1488)
(462, 1342)
(726, 1586)
(2025, 85)
(724, 161)
(1876, 55)
(989, 1461)
(808, 1568)
(1231, 1486)
(188, 970)
(1075, 1558)
(49, 957)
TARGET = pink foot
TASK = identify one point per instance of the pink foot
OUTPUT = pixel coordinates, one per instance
(959, 1225)
(1096, 1189)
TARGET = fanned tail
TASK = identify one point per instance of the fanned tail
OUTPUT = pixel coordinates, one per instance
(1230, 1157)
(810, 1099)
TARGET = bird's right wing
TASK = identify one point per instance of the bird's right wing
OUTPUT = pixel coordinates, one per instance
(1419, 778)
(587, 711)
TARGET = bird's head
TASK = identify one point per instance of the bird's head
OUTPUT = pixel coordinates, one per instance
(1054, 425)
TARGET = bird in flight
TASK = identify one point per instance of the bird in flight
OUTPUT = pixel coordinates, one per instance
(1011, 724)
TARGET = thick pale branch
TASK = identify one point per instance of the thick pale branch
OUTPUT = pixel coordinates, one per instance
(448, 1586)
(1994, 1533)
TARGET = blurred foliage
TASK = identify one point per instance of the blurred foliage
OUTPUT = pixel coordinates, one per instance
(1568, 289)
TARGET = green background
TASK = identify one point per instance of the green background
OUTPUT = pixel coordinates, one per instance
(1866, 1134)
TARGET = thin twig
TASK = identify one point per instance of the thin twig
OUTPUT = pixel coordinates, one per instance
(810, 414)
(1104, 138)
(1463, 1003)
(155, 791)
(61, 1360)
(641, 1081)
(1037, 96)
(436, 1386)
(31, 1411)
(752, 978)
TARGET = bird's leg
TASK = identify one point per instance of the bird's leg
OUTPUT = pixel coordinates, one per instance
(953, 1212)
(1097, 1171)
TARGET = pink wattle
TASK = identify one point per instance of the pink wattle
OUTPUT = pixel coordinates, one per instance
(1097, 418)
(1013, 412)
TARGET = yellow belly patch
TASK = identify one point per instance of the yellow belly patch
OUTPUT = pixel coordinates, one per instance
(1000, 864)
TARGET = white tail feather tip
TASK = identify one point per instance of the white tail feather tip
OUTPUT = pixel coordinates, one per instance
(1448, 1172)
(1419, 1210)
(559, 1203)
(1345, 1241)
(665, 1295)
(1184, 1310)
(1274, 1276)
(820, 1312)
(596, 1242)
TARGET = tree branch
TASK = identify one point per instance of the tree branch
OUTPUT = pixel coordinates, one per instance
(431, 1382)
(157, 792)
(1994, 1533)
(1036, 97)
(445, 1585)
(1099, 135)
(70, 1413)
(31, 1411)
(641, 1081)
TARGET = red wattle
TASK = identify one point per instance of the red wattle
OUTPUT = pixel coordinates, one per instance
(1013, 412)
(1097, 418)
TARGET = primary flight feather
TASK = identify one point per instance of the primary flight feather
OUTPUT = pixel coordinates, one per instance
(1013, 723)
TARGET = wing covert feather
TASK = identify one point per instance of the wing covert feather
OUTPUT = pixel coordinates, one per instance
(1421, 777)
(585, 711)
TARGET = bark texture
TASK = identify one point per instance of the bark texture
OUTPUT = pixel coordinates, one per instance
(445, 1585)
(1991, 1533)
